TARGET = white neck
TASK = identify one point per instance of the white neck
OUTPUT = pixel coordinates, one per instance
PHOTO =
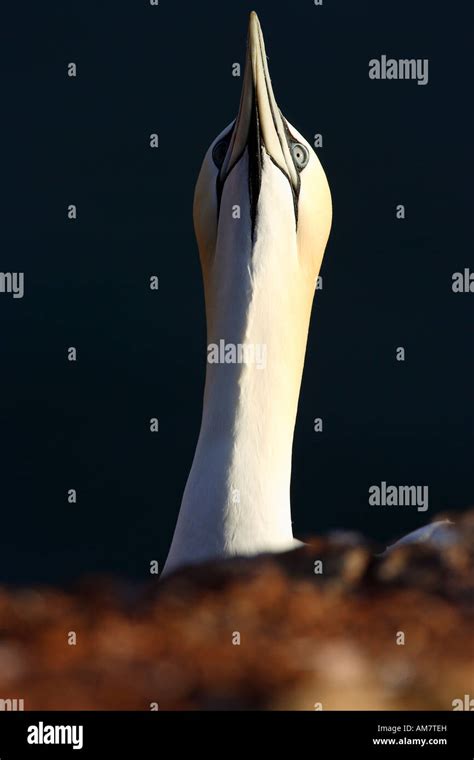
(237, 498)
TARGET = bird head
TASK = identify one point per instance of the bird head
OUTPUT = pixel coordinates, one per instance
(262, 202)
(264, 150)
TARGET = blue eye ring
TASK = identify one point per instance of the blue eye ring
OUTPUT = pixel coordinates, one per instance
(300, 155)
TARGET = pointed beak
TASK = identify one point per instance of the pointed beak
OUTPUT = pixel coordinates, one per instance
(259, 125)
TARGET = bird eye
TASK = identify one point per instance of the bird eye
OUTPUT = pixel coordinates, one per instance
(300, 155)
(219, 152)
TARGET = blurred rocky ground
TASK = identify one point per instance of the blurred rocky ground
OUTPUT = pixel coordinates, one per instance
(331, 625)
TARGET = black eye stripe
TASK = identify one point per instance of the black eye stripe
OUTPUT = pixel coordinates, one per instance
(300, 161)
(220, 151)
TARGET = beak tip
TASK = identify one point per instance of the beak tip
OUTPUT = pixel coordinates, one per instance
(254, 21)
(255, 40)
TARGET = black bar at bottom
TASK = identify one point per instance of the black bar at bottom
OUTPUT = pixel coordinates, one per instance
(316, 734)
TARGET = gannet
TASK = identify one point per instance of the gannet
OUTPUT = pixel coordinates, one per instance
(262, 217)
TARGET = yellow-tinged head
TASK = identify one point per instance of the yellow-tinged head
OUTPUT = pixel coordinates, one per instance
(258, 167)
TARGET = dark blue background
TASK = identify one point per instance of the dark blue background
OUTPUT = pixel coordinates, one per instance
(387, 283)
